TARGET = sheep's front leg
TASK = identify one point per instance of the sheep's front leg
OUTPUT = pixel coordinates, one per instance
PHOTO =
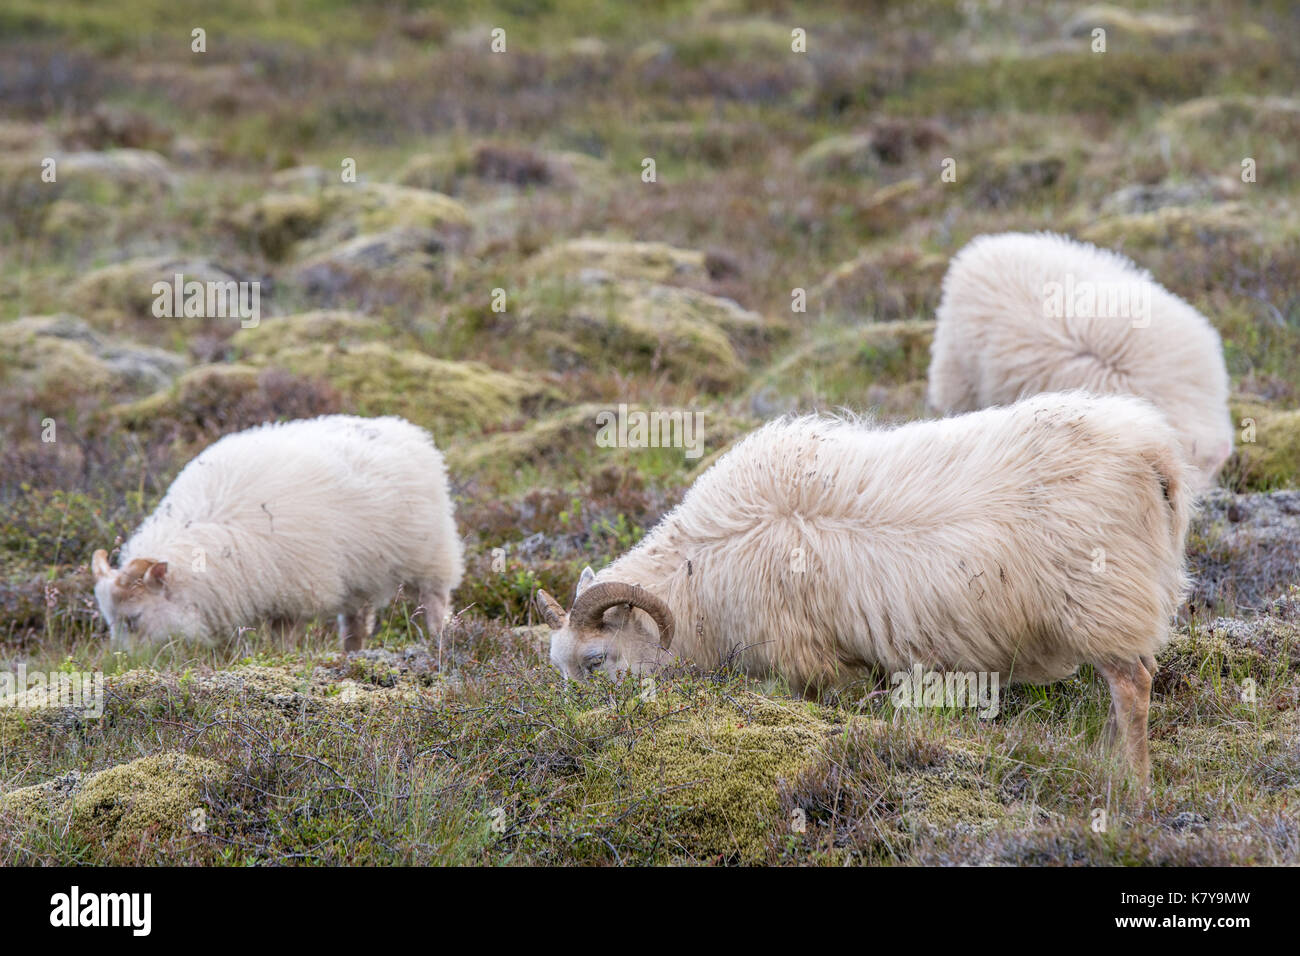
(1130, 694)
(355, 626)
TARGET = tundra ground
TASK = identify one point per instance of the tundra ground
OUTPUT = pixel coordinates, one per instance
(515, 180)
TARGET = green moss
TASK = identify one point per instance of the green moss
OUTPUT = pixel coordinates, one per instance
(843, 155)
(882, 283)
(276, 221)
(1173, 225)
(638, 326)
(652, 261)
(374, 207)
(880, 364)
(278, 333)
(145, 801)
(440, 395)
(1272, 460)
(53, 371)
(1147, 25)
(1117, 82)
(121, 295)
(703, 770)
(206, 385)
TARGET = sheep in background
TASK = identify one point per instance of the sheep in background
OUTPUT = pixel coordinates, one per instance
(290, 521)
(1021, 540)
(1022, 314)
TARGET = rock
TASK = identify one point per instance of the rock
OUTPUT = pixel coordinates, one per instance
(372, 269)
(1249, 561)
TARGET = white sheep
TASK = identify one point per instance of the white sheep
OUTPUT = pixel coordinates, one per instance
(289, 521)
(1021, 541)
(1022, 314)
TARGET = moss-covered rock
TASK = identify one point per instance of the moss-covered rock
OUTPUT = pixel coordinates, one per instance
(211, 400)
(707, 771)
(652, 261)
(491, 163)
(885, 282)
(599, 322)
(441, 395)
(129, 806)
(1010, 177)
(57, 359)
(1272, 459)
(880, 366)
(117, 172)
(276, 221)
(277, 333)
(1235, 118)
(121, 295)
(374, 207)
(372, 269)
(841, 155)
(1144, 25)
(1173, 225)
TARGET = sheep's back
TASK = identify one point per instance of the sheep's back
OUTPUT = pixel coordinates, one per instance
(1023, 539)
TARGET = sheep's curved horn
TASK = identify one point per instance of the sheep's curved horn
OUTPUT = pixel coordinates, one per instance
(551, 610)
(589, 610)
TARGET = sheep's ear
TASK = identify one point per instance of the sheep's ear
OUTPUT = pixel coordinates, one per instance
(156, 577)
(585, 580)
(99, 564)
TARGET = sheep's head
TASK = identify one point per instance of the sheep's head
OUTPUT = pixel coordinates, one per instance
(137, 599)
(614, 628)
(1210, 445)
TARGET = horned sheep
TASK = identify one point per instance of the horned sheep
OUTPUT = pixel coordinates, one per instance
(1021, 540)
(327, 516)
(1021, 314)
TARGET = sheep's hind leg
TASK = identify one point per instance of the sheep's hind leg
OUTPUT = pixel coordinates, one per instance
(355, 626)
(1130, 693)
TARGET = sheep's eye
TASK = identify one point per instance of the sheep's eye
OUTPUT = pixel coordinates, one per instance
(131, 621)
(593, 660)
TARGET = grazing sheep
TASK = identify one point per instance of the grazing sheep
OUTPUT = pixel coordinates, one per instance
(286, 522)
(1022, 314)
(1021, 540)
